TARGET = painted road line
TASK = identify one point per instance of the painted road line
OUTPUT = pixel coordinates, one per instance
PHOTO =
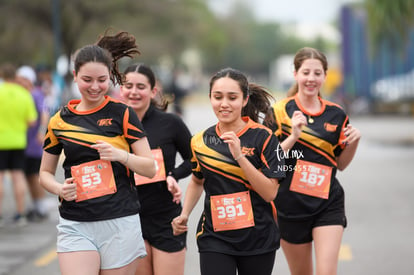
(345, 253)
(46, 258)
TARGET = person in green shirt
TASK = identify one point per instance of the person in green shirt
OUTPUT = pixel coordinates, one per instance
(17, 113)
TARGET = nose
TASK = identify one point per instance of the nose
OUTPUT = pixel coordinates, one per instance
(95, 85)
(311, 76)
(224, 103)
(134, 89)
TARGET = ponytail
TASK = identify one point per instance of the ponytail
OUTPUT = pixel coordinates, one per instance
(259, 105)
(108, 50)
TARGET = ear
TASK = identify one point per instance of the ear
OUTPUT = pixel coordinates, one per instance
(154, 92)
(74, 75)
(245, 101)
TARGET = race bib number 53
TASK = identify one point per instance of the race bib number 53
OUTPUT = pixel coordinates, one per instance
(231, 211)
(312, 179)
(94, 179)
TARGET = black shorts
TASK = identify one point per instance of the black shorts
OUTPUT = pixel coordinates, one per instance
(212, 263)
(31, 166)
(11, 160)
(300, 231)
(157, 230)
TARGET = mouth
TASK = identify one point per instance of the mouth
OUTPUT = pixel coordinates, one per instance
(134, 99)
(311, 86)
(225, 112)
(94, 93)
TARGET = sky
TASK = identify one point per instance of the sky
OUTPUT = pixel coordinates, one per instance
(311, 17)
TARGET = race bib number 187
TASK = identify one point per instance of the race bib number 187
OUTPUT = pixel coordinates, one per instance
(312, 179)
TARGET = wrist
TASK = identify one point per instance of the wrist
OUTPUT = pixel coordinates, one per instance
(239, 157)
(126, 158)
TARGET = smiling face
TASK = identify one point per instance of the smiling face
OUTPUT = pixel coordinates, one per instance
(227, 100)
(137, 91)
(310, 77)
(93, 83)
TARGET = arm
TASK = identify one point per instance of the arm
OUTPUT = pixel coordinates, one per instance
(298, 121)
(264, 186)
(351, 141)
(182, 139)
(44, 120)
(141, 161)
(47, 179)
(174, 188)
(192, 195)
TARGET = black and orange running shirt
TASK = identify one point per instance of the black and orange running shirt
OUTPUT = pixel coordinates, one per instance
(213, 162)
(73, 132)
(319, 144)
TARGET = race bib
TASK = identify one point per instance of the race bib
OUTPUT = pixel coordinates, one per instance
(94, 179)
(160, 167)
(231, 211)
(312, 179)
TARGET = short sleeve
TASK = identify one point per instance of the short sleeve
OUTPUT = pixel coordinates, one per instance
(51, 143)
(133, 129)
(271, 162)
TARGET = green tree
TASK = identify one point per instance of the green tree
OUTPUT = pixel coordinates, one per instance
(390, 20)
(162, 28)
(26, 31)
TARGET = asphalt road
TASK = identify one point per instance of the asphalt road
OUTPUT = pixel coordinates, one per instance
(379, 238)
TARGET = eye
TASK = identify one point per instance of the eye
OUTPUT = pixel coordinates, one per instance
(86, 79)
(141, 86)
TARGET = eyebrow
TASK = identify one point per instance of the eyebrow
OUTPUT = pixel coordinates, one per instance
(221, 92)
(101, 76)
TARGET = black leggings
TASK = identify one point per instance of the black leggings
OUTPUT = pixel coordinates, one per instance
(223, 264)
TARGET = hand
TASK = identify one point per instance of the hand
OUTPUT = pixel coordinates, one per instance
(234, 143)
(298, 121)
(352, 134)
(108, 152)
(67, 190)
(179, 225)
(174, 189)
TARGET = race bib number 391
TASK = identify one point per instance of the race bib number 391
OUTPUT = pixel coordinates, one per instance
(231, 211)
(94, 179)
(312, 179)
